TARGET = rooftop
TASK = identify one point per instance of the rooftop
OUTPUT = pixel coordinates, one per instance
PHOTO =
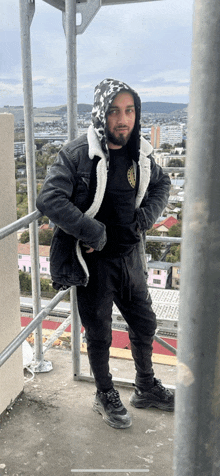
(52, 430)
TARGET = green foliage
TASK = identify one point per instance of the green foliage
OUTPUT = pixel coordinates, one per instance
(25, 237)
(40, 143)
(175, 250)
(175, 230)
(174, 254)
(45, 285)
(165, 146)
(25, 282)
(175, 163)
(45, 237)
(22, 205)
(153, 247)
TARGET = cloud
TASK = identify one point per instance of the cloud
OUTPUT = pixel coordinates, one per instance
(147, 44)
(163, 91)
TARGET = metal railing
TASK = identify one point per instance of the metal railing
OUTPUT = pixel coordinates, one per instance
(39, 364)
(27, 10)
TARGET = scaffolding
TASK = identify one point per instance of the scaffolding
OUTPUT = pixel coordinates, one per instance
(197, 418)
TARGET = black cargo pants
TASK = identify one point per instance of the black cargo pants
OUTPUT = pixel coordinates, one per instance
(120, 280)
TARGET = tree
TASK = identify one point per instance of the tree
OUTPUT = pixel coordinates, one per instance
(174, 255)
(25, 238)
(175, 163)
(45, 237)
(175, 230)
(25, 282)
(166, 146)
(153, 248)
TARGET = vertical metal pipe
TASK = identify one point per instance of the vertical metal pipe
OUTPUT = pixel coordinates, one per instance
(197, 420)
(70, 32)
(75, 333)
(26, 15)
(70, 29)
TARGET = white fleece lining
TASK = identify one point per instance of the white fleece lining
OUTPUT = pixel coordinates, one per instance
(101, 174)
(81, 260)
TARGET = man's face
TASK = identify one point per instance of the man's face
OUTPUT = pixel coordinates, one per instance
(120, 120)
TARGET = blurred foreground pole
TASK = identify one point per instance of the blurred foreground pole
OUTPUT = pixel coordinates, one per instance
(197, 423)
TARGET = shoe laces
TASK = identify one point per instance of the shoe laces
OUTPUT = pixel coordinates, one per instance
(113, 397)
(162, 389)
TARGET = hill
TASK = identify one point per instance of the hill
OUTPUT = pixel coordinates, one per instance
(162, 107)
(150, 107)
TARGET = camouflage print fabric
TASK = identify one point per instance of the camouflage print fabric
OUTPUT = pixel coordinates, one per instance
(104, 95)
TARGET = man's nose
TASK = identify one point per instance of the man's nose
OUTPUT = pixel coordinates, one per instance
(122, 118)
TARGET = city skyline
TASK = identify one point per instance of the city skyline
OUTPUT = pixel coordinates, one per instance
(147, 45)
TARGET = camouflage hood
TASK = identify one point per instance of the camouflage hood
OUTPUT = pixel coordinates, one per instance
(104, 95)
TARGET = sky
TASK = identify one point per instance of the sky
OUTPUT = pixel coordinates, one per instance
(147, 45)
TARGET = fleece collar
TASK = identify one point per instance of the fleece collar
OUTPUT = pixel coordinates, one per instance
(96, 150)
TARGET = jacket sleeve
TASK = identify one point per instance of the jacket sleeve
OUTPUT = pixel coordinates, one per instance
(55, 201)
(155, 199)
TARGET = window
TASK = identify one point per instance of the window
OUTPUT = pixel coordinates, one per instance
(156, 281)
(29, 269)
(19, 256)
(47, 259)
(24, 268)
(44, 269)
(156, 271)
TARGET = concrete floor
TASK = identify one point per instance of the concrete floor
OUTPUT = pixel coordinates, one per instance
(51, 429)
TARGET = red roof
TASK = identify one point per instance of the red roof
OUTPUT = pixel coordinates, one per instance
(168, 222)
(45, 226)
(24, 249)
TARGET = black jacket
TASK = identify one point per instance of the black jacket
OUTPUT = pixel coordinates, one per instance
(66, 198)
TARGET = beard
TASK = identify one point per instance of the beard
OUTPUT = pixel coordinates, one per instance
(121, 139)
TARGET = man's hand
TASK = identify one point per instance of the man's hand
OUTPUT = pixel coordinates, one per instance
(90, 250)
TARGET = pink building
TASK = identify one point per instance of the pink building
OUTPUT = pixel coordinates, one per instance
(24, 259)
(159, 274)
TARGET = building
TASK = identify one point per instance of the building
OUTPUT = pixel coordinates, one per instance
(155, 137)
(19, 148)
(24, 259)
(166, 134)
(159, 274)
(163, 226)
(162, 159)
(176, 275)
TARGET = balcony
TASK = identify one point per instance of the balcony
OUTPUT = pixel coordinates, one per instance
(49, 428)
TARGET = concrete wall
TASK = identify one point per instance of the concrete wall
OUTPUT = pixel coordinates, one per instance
(11, 373)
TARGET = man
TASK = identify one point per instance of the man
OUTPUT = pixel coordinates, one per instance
(103, 192)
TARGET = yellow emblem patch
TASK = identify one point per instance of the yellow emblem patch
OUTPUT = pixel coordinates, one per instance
(131, 176)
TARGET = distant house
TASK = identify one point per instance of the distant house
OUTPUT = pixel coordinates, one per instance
(176, 275)
(159, 274)
(24, 258)
(163, 226)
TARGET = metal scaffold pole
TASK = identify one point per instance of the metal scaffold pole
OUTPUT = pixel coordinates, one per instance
(70, 31)
(69, 24)
(27, 9)
(197, 420)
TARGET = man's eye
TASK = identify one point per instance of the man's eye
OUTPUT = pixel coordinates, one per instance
(112, 111)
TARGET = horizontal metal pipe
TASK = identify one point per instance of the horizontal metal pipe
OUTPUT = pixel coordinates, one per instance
(20, 338)
(123, 382)
(170, 170)
(165, 344)
(56, 334)
(164, 239)
(18, 224)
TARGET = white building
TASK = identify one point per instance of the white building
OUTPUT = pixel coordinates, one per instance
(171, 134)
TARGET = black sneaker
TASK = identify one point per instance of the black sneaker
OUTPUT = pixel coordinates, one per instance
(157, 396)
(112, 409)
